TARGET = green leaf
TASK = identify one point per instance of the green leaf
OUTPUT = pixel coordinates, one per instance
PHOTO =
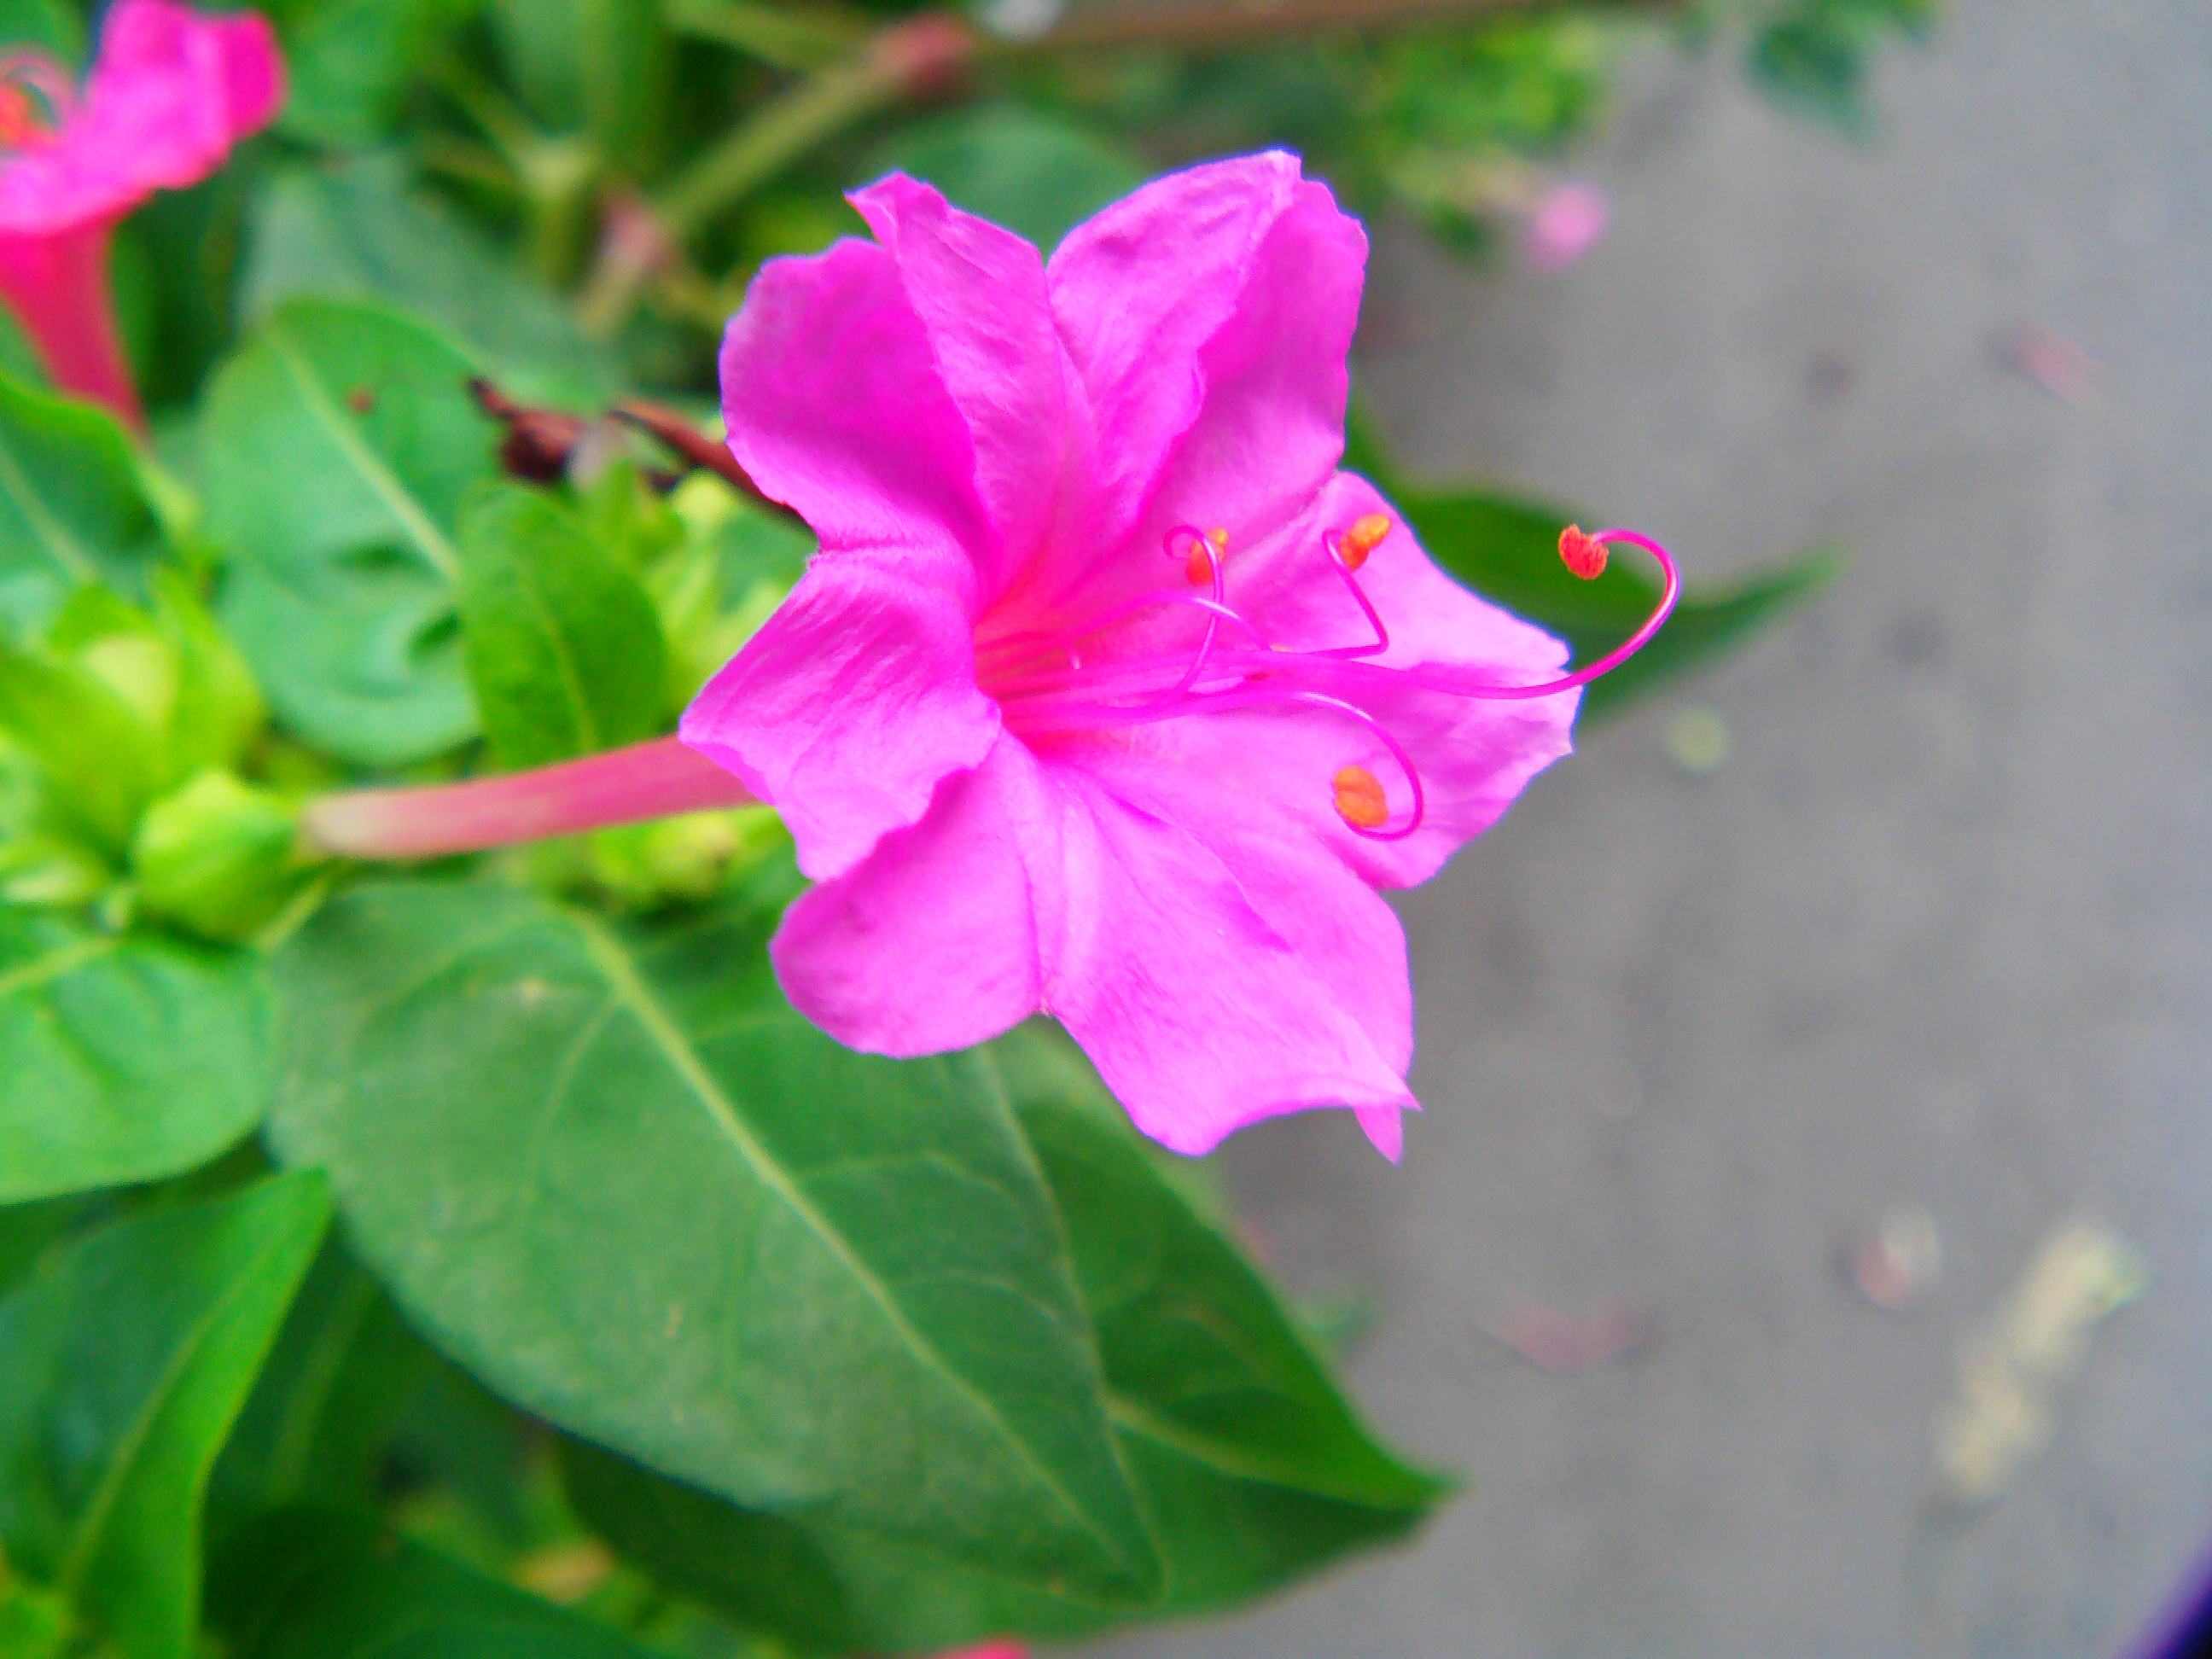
(129, 1353)
(1508, 549)
(612, 1172)
(357, 229)
(73, 505)
(320, 1584)
(125, 1057)
(340, 443)
(1038, 175)
(318, 1424)
(1252, 1466)
(563, 645)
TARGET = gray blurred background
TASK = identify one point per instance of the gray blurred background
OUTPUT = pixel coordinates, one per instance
(1936, 937)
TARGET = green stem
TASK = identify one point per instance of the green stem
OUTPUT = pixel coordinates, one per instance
(819, 108)
(929, 51)
(778, 35)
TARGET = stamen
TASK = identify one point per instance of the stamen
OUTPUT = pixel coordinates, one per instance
(1203, 566)
(1045, 686)
(1360, 541)
(1360, 801)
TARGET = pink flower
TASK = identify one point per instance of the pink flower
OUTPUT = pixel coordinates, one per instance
(992, 1651)
(1566, 221)
(170, 94)
(1109, 696)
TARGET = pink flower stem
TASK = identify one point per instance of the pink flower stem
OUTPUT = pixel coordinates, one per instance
(58, 287)
(657, 780)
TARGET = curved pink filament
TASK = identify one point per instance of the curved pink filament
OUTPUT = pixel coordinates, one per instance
(1268, 675)
(29, 70)
(1332, 543)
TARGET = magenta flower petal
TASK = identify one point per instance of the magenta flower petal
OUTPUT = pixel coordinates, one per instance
(980, 294)
(852, 704)
(1209, 316)
(1110, 698)
(835, 408)
(170, 94)
(931, 945)
(1208, 1000)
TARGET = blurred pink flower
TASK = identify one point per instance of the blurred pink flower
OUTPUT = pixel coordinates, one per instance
(170, 94)
(1109, 696)
(1566, 221)
(992, 1651)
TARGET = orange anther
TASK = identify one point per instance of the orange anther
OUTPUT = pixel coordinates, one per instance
(19, 118)
(1367, 534)
(1581, 553)
(1198, 566)
(1360, 801)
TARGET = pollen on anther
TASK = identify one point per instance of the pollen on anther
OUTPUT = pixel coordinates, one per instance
(1198, 566)
(1358, 543)
(1360, 801)
(1581, 553)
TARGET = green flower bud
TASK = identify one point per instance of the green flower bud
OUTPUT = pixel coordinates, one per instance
(683, 859)
(218, 858)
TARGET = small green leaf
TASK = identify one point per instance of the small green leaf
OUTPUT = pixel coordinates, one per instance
(562, 646)
(320, 1418)
(1251, 1465)
(1038, 175)
(357, 230)
(340, 443)
(1507, 549)
(309, 1583)
(612, 1172)
(73, 505)
(127, 1057)
(129, 1353)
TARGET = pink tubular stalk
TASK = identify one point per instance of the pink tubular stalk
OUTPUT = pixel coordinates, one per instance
(56, 286)
(657, 780)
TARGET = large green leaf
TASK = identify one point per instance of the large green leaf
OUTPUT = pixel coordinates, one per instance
(127, 1355)
(123, 1057)
(1252, 1464)
(612, 1172)
(357, 229)
(322, 1584)
(1508, 549)
(562, 646)
(340, 443)
(73, 505)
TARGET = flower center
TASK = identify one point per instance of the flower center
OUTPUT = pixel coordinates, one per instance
(1049, 681)
(37, 98)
